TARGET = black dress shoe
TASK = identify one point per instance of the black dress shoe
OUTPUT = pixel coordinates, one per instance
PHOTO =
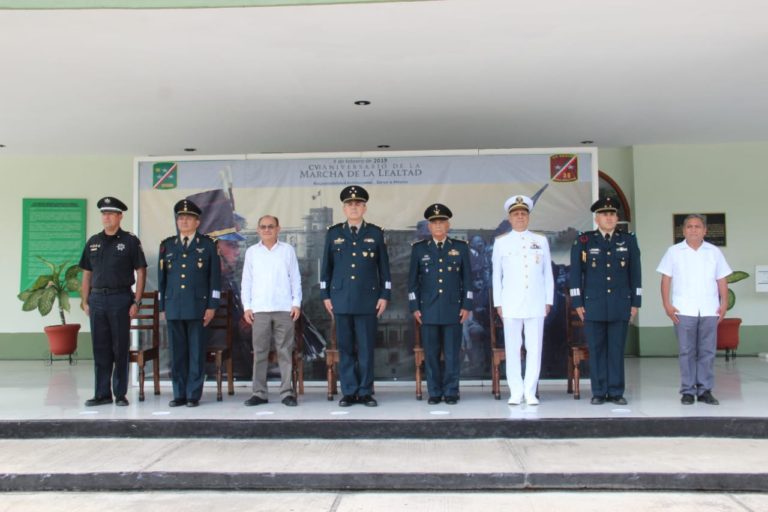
(707, 398)
(368, 401)
(347, 400)
(618, 400)
(687, 399)
(177, 402)
(104, 400)
(290, 401)
(451, 400)
(121, 401)
(434, 400)
(193, 403)
(597, 400)
(255, 400)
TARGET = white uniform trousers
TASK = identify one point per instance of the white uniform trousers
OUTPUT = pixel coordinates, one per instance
(513, 340)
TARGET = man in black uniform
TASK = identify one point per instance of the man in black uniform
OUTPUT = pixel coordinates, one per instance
(606, 292)
(189, 282)
(356, 287)
(109, 261)
(440, 298)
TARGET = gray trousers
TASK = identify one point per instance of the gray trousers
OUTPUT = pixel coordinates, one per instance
(697, 338)
(276, 325)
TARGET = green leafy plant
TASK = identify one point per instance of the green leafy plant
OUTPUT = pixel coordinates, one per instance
(48, 288)
(735, 277)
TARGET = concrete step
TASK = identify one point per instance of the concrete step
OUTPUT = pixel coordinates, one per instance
(112, 464)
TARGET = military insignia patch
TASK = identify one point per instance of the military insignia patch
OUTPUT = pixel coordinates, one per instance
(369, 241)
(564, 168)
(453, 252)
(121, 247)
(534, 245)
(338, 241)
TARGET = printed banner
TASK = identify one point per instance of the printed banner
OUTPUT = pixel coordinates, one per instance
(304, 194)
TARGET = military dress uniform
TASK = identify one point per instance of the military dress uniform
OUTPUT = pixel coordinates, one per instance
(189, 282)
(112, 261)
(440, 286)
(355, 274)
(605, 280)
(523, 286)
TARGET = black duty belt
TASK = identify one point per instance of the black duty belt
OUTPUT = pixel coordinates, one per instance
(110, 291)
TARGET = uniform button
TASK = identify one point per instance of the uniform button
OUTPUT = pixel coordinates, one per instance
(609, 253)
(353, 265)
(439, 280)
(609, 290)
(184, 255)
(440, 270)
(352, 277)
(183, 276)
(608, 278)
(183, 265)
(608, 265)
(354, 243)
(183, 286)
(440, 260)
(354, 254)
(439, 291)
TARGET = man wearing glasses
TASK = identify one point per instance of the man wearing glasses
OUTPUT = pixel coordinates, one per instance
(271, 295)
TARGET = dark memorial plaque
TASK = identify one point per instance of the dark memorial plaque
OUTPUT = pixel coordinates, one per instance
(715, 228)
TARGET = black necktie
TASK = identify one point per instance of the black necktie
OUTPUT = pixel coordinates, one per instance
(439, 246)
(186, 242)
(354, 230)
(607, 237)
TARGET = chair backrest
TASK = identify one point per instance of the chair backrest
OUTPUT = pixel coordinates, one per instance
(148, 318)
(574, 327)
(222, 318)
(494, 322)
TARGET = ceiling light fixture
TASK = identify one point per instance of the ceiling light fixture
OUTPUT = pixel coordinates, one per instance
(190, 150)
(587, 142)
(362, 103)
(383, 146)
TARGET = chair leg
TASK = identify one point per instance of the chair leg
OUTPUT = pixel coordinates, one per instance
(230, 376)
(576, 377)
(331, 377)
(156, 371)
(140, 363)
(218, 377)
(418, 380)
(570, 371)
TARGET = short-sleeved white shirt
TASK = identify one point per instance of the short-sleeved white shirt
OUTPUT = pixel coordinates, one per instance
(694, 276)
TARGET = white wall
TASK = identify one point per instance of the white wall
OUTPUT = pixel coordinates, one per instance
(52, 177)
(729, 178)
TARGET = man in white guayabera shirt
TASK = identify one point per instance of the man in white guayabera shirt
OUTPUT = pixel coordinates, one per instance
(695, 272)
(271, 295)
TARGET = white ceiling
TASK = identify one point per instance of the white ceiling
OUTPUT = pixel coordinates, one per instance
(439, 74)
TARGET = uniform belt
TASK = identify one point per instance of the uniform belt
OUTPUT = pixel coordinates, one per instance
(110, 291)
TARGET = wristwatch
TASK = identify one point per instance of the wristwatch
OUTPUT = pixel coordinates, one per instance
(138, 303)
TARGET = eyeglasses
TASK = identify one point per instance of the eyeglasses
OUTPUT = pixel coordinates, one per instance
(265, 228)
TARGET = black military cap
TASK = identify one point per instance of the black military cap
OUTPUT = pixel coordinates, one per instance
(111, 204)
(354, 193)
(187, 207)
(605, 204)
(438, 211)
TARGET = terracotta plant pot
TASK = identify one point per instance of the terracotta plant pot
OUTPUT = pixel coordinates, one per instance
(62, 339)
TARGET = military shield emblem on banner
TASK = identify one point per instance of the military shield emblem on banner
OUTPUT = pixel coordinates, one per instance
(564, 167)
(164, 175)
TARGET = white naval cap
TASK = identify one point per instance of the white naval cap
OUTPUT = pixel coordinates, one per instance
(518, 202)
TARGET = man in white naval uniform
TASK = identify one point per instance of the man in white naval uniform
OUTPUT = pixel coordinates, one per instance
(523, 293)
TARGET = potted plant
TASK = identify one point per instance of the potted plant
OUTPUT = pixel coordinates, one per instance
(728, 328)
(47, 290)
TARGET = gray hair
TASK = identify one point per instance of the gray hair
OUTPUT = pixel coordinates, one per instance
(702, 218)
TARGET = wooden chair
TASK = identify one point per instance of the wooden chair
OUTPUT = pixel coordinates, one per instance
(331, 362)
(498, 354)
(147, 319)
(418, 357)
(578, 350)
(222, 355)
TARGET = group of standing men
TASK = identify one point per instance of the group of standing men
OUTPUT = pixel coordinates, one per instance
(355, 285)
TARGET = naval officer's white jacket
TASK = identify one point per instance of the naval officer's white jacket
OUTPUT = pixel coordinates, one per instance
(522, 274)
